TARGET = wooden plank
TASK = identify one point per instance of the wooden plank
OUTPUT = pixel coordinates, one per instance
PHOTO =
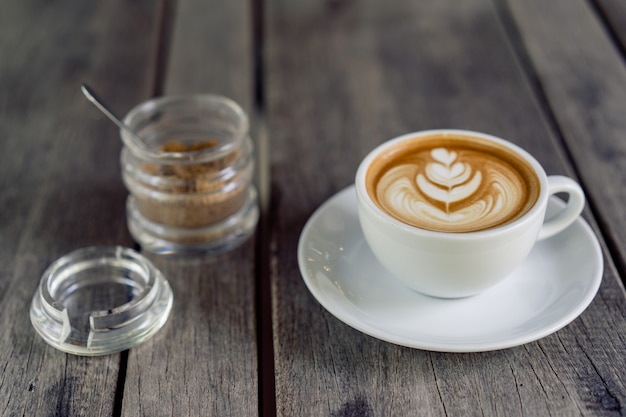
(587, 103)
(614, 12)
(60, 181)
(359, 73)
(205, 360)
(210, 51)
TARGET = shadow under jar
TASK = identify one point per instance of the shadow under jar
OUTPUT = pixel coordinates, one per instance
(190, 181)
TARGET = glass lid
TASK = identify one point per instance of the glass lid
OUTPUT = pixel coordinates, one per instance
(100, 300)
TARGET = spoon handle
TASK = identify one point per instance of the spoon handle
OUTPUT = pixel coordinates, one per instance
(93, 97)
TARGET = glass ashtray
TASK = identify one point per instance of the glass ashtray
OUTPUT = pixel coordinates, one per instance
(100, 300)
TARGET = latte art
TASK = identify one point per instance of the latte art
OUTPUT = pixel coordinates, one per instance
(454, 189)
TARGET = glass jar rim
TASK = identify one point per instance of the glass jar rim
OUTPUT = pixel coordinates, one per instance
(209, 102)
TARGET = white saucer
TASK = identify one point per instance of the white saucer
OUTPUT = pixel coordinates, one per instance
(554, 286)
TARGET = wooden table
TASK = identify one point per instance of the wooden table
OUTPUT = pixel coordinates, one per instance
(323, 82)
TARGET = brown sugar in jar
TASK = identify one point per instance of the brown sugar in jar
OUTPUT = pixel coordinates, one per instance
(195, 192)
(191, 190)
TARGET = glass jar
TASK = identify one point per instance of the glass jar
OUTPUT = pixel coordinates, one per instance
(190, 178)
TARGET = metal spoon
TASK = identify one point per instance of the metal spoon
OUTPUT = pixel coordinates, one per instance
(91, 96)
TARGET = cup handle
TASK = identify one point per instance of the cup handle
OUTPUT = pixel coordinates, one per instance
(575, 205)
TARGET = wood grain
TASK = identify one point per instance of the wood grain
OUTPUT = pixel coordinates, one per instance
(210, 51)
(59, 177)
(359, 73)
(205, 361)
(613, 14)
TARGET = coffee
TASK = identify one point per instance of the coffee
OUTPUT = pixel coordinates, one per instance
(451, 182)
(451, 213)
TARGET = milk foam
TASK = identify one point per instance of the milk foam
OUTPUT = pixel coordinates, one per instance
(453, 189)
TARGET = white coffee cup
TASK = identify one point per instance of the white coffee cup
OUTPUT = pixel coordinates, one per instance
(453, 264)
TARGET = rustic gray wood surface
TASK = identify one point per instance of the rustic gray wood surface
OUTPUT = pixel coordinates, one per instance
(205, 361)
(363, 72)
(60, 180)
(323, 83)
